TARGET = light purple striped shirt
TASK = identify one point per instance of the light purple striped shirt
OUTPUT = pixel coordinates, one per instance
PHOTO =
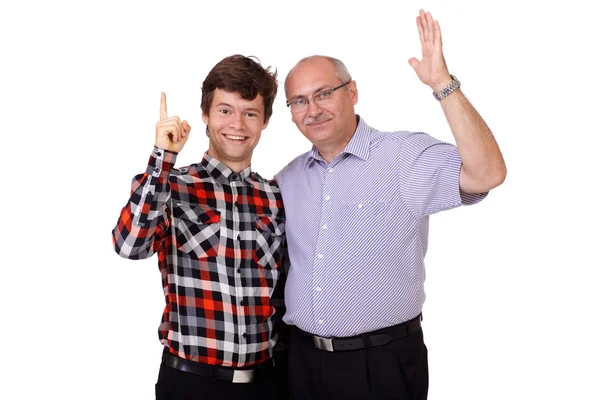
(357, 229)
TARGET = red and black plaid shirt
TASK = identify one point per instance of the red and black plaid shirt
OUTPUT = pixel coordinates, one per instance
(219, 237)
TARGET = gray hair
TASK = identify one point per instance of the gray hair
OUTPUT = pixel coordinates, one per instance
(341, 72)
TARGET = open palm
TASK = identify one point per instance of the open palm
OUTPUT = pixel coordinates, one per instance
(431, 69)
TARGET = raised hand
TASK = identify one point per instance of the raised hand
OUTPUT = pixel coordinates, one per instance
(171, 133)
(432, 69)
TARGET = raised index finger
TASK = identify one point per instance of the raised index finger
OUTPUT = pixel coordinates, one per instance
(163, 106)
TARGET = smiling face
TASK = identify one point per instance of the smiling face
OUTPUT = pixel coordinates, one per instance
(234, 128)
(330, 124)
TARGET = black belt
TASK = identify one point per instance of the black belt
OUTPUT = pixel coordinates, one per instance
(379, 337)
(213, 371)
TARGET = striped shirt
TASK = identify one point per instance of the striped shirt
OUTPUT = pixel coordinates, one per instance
(218, 236)
(357, 229)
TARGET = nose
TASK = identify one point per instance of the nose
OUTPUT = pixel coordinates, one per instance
(236, 122)
(313, 108)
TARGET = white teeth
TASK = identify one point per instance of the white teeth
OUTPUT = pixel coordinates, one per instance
(235, 137)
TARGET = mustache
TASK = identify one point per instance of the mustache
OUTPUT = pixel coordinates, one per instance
(317, 119)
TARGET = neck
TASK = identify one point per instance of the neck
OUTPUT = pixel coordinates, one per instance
(329, 152)
(237, 167)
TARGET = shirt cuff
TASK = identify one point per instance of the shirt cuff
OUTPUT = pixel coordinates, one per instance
(160, 163)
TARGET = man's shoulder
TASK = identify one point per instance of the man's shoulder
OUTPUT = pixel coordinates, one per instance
(397, 137)
(403, 138)
(292, 167)
(193, 170)
(263, 183)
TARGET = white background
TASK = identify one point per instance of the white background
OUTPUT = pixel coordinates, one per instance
(512, 283)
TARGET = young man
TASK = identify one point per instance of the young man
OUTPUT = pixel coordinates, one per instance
(357, 209)
(218, 230)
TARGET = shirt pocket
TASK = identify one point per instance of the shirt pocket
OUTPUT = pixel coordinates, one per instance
(270, 232)
(197, 229)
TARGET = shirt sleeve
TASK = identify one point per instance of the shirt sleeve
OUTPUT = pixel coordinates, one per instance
(144, 221)
(430, 176)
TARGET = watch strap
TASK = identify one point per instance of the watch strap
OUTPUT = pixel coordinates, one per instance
(452, 86)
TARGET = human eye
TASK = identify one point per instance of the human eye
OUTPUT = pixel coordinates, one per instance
(323, 95)
(251, 114)
(224, 111)
(299, 103)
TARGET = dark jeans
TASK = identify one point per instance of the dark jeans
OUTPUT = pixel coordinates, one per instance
(397, 370)
(178, 385)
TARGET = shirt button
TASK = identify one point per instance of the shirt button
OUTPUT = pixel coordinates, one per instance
(320, 322)
(245, 335)
(319, 255)
(156, 169)
(360, 205)
(158, 154)
(324, 226)
(318, 289)
(239, 270)
(327, 197)
(330, 169)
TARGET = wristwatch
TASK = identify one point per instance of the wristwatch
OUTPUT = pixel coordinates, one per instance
(452, 86)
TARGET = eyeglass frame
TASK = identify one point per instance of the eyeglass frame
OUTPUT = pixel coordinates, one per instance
(313, 97)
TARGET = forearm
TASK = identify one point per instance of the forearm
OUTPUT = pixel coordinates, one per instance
(144, 219)
(483, 166)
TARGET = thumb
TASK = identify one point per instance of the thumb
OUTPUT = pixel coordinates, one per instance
(414, 63)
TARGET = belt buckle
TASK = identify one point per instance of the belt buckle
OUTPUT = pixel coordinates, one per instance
(243, 376)
(323, 343)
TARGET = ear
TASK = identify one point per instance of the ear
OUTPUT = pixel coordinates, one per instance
(205, 118)
(265, 124)
(353, 92)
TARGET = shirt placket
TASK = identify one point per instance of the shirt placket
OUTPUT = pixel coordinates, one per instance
(319, 290)
(238, 226)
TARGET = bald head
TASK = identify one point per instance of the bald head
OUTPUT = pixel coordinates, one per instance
(317, 61)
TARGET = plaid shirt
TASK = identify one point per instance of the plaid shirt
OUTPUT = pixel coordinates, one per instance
(219, 239)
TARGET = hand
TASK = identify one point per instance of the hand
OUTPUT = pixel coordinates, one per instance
(171, 133)
(432, 69)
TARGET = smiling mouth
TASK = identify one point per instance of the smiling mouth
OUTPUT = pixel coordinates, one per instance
(319, 123)
(236, 138)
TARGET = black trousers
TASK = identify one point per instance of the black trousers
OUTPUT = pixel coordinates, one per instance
(173, 384)
(397, 370)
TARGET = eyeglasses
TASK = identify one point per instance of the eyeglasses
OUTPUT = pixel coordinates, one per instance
(301, 104)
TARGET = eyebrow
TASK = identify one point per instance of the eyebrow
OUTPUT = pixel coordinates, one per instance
(318, 90)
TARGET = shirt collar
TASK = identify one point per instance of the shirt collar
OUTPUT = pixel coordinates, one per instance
(358, 145)
(222, 173)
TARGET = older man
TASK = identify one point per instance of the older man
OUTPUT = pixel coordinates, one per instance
(357, 209)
